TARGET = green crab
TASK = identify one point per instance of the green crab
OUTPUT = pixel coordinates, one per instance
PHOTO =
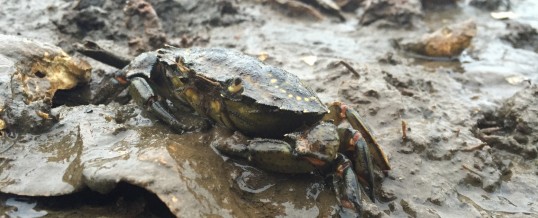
(293, 131)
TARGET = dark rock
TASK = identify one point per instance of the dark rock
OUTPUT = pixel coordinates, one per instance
(393, 12)
(521, 35)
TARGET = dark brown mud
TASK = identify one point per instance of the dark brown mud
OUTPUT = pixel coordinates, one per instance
(471, 124)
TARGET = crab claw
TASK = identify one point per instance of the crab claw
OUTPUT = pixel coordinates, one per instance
(340, 112)
(347, 188)
(143, 95)
(363, 164)
(358, 151)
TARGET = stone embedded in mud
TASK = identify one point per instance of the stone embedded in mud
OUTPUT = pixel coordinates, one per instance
(82, 20)
(414, 210)
(521, 35)
(33, 72)
(491, 5)
(372, 210)
(438, 196)
(435, 4)
(348, 5)
(393, 12)
(145, 24)
(449, 41)
(81, 4)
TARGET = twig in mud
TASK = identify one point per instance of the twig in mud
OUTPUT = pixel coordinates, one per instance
(350, 68)
(6, 148)
(93, 50)
(472, 170)
(404, 130)
(4, 138)
(300, 7)
(474, 148)
(490, 130)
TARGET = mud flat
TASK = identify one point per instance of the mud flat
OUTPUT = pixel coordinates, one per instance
(470, 121)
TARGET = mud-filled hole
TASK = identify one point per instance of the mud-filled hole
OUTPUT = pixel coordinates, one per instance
(124, 201)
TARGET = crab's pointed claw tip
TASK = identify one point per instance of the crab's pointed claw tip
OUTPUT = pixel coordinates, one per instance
(347, 188)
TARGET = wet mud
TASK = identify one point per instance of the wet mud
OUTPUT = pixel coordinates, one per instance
(460, 133)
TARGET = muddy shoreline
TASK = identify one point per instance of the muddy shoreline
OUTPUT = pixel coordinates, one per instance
(471, 121)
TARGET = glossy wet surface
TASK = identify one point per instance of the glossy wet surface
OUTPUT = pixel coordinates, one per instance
(443, 168)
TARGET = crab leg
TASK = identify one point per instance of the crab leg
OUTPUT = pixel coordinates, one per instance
(269, 154)
(93, 50)
(144, 96)
(316, 149)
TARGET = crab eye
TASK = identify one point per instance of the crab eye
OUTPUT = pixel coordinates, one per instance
(235, 86)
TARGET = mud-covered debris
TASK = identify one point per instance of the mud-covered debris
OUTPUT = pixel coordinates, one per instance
(394, 13)
(438, 195)
(92, 19)
(389, 58)
(186, 41)
(227, 7)
(513, 126)
(81, 4)
(103, 87)
(372, 210)
(521, 35)
(486, 171)
(438, 4)
(144, 23)
(491, 5)
(33, 72)
(226, 13)
(296, 7)
(82, 20)
(449, 41)
(348, 5)
(95, 51)
(314, 7)
(414, 144)
(331, 7)
(415, 210)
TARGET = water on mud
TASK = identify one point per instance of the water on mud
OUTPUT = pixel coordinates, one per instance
(450, 165)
